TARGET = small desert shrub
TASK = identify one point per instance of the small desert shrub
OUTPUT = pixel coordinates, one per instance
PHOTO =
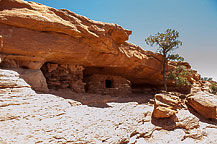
(206, 78)
(213, 88)
(180, 76)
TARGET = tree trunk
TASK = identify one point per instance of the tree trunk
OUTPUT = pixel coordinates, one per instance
(164, 72)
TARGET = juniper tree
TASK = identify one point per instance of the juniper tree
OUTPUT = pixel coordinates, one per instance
(167, 42)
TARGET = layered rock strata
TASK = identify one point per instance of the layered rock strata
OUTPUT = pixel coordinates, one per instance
(33, 34)
(165, 105)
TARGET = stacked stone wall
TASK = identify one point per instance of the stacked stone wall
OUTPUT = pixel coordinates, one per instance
(59, 76)
(97, 84)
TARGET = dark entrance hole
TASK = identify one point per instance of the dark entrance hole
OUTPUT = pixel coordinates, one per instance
(108, 83)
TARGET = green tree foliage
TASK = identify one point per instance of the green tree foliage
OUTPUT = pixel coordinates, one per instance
(167, 42)
(206, 79)
(180, 75)
(176, 58)
(213, 88)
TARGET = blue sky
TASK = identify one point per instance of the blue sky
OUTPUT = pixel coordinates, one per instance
(196, 21)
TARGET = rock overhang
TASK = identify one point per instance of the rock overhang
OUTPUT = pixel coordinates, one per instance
(33, 34)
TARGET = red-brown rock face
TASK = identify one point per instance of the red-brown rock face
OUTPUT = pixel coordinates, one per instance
(32, 34)
(204, 103)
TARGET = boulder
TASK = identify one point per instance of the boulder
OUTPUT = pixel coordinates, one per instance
(165, 105)
(204, 103)
(35, 78)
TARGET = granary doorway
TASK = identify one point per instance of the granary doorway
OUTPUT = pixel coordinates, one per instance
(108, 83)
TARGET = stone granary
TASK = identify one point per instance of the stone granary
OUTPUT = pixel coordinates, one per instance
(62, 50)
(57, 52)
(60, 76)
(108, 84)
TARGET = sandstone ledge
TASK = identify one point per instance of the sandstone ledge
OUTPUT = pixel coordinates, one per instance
(32, 34)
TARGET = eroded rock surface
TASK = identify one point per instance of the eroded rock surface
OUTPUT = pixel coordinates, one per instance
(67, 117)
(204, 103)
(165, 105)
(32, 34)
(35, 38)
(34, 78)
(11, 79)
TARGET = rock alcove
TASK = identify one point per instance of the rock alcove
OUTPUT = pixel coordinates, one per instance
(63, 76)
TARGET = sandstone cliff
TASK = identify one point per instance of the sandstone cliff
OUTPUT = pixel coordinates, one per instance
(32, 34)
(42, 46)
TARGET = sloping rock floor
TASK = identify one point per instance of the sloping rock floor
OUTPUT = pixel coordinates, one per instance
(27, 117)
